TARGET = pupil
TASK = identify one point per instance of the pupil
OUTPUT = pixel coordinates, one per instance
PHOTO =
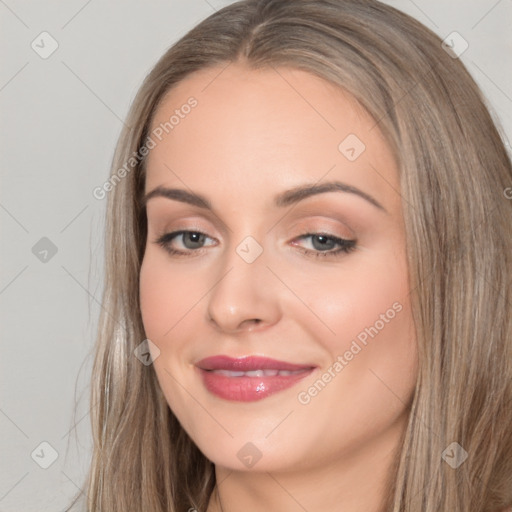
(195, 237)
(324, 241)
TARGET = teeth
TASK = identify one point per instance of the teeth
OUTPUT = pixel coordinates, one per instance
(271, 373)
(228, 373)
(257, 373)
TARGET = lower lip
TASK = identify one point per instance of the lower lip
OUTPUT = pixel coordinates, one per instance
(249, 389)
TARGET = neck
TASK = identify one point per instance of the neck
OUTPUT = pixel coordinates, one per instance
(351, 482)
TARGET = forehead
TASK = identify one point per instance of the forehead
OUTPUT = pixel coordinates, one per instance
(275, 125)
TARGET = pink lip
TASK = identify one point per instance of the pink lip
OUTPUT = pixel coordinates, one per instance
(245, 388)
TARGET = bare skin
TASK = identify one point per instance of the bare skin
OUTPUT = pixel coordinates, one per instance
(253, 135)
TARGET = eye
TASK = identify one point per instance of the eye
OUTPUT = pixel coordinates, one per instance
(192, 241)
(323, 243)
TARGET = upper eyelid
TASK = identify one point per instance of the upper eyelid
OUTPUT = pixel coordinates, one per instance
(301, 220)
(207, 216)
(296, 224)
(211, 218)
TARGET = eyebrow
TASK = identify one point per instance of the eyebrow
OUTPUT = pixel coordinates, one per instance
(283, 199)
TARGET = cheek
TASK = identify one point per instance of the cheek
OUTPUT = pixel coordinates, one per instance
(166, 294)
(364, 294)
(369, 373)
(366, 307)
(153, 294)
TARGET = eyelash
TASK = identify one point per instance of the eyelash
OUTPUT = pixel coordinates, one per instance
(346, 246)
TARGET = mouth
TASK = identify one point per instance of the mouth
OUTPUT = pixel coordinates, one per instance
(249, 378)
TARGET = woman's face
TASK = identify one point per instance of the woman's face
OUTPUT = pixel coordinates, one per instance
(269, 277)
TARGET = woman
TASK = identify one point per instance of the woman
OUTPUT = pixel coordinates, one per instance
(307, 292)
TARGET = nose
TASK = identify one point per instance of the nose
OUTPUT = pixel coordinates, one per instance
(245, 298)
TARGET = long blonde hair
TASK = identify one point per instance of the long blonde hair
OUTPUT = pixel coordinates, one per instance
(454, 174)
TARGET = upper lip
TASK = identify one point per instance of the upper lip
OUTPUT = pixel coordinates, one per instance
(248, 363)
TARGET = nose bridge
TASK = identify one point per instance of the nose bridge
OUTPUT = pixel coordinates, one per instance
(245, 294)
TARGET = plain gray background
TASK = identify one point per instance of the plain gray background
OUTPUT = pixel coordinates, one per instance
(61, 117)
